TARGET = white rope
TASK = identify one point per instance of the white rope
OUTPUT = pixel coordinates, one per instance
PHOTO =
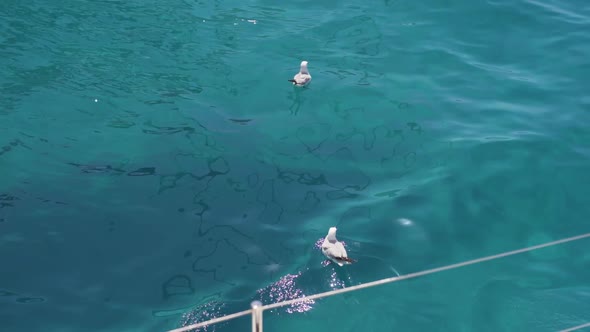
(386, 281)
(576, 327)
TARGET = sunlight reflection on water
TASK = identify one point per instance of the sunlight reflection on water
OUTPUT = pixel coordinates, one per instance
(201, 313)
(286, 289)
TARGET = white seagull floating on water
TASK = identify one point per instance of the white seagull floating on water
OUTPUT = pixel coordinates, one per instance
(334, 250)
(302, 78)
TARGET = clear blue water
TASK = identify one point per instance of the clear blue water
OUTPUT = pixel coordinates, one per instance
(156, 167)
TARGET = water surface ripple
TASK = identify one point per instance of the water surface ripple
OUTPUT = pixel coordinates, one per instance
(158, 169)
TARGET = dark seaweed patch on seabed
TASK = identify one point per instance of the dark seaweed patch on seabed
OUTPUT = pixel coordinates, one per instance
(7, 200)
(143, 171)
(97, 168)
(8, 147)
(26, 300)
(177, 285)
(20, 298)
(6, 293)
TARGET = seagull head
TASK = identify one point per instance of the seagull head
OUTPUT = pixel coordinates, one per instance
(331, 234)
(303, 69)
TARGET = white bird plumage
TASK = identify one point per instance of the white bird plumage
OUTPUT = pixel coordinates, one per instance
(334, 249)
(303, 77)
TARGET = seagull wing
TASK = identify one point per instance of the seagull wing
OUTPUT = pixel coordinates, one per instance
(335, 250)
(302, 79)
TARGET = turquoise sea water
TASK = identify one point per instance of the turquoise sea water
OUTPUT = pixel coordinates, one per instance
(156, 167)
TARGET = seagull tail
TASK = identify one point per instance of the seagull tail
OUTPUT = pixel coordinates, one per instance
(348, 259)
(292, 80)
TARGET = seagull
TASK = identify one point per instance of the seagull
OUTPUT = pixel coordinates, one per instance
(302, 78)
(334, 250)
